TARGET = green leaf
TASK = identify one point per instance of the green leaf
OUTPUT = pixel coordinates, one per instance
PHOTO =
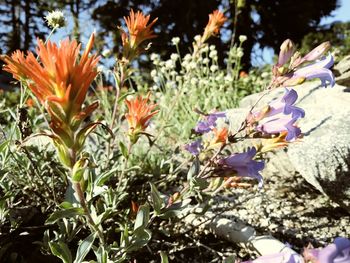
(3, 145)
(230, 259)
(69, 195)
(142, 217)
(101, 255)
(175, 209)
(156, 199)
(66, 205)
(124, 237)
(104, 177)
(84, 248)
(163, 257)
(194, 170)
(60, 249)
(200, 182)
(123, 149)
(140, 238)
(70, 212)
(122, 97)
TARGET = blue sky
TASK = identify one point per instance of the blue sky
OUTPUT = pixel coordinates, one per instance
(341, 14)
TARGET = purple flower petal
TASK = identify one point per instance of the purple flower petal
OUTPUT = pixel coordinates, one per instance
(194, 147)
(319, 69)
(317, 52)
(244, 165)
(282, 257)
(280, 124)
(286, 106)
(336, 253)
(209, 123)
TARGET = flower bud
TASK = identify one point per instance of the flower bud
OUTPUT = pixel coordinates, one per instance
(286, 52)
(317, 52)
(79, 168)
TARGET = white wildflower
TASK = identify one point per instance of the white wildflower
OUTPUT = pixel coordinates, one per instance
(175, 41)
(174, 57)
(240, 53)
(55, 19)
(188, 57)
(242, 38)
(213, 68)
(169, 64)
(178, 79)
(106, 52)
(265, 75)
(213, 54)
(155, 57)
(197, 38)
(228, 78)
(153, 73)
(194, 81)
(193, 65)
(205, 49)
(205, 61)
(156, 79)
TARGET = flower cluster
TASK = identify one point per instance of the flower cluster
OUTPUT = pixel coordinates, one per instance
(295, 72)
(274, 125)
(215, 135)
(139, 114)
(216, 20)
(60, 81)
(237, 164)
(139, 30)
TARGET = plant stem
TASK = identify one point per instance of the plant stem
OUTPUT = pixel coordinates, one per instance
(119, 86)
(82, 201)
(125, 166)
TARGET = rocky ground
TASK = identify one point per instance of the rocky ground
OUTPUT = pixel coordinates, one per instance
(290, 210)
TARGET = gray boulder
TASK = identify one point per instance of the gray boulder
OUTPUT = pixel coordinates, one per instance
(322, 156)
(342, 71)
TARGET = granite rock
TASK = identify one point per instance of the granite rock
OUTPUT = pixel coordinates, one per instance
(342, 71)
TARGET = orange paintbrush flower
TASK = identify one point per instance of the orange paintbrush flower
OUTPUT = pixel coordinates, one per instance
(139, 115)
(59, 76)
(216, 20)
(60, 80)
(138, 27)
(220, 136)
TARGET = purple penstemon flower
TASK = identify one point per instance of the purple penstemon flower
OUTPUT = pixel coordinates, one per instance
(280, 116)
(338, 252)
(282, 257)
(209, 123)
(285, 105)
(244, 165)
(278, 124)
(194, 147)
(319, 69)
